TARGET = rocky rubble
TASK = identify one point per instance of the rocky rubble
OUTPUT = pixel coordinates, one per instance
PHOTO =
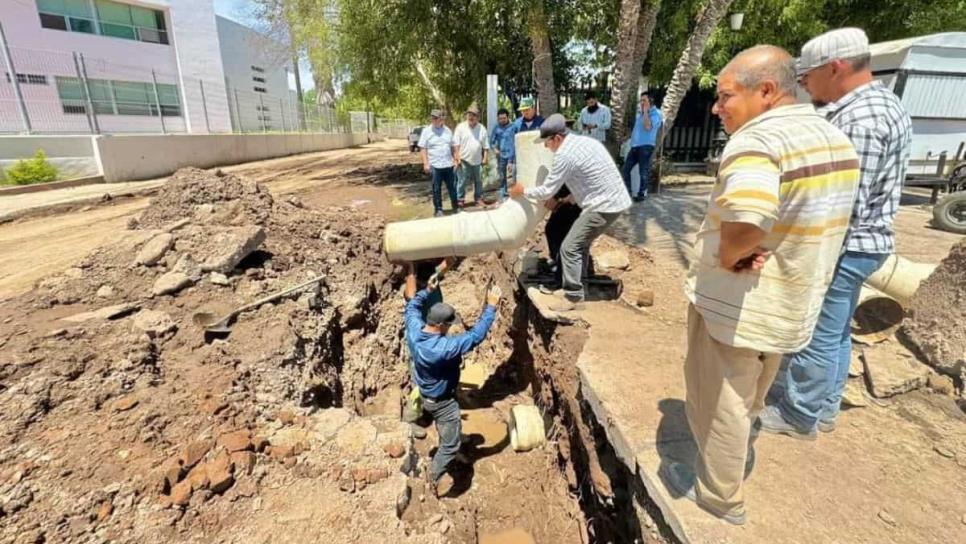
(123, 421)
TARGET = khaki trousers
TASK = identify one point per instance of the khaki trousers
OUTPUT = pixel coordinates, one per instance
(726, 389)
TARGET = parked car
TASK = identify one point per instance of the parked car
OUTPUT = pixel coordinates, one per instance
(414, 138)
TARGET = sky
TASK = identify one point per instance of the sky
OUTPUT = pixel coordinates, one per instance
(241, 11)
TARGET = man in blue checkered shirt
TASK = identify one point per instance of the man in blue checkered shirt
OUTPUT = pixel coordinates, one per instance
(834, 70)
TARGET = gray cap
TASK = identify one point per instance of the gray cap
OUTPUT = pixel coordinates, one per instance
(842, 43)
(553, 125)
(441, 314)
(437, 113)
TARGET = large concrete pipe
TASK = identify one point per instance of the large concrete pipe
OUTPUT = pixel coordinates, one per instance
(884, 298)
(464, 234)
(899, 278)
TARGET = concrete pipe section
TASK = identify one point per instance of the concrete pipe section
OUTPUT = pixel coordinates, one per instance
(526, 428)
(464, 234)
(885, 296)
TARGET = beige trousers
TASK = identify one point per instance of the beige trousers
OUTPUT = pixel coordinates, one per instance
(726, 388)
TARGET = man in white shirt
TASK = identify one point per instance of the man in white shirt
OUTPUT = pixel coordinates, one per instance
(595, 184)
(594, 119)
(472, 146)
(436, 143)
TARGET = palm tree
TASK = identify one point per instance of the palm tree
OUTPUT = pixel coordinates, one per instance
(542, 58)
(708, 18)
(624, 70)
(622, 103)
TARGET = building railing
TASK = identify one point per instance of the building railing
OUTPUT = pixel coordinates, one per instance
(49, 92)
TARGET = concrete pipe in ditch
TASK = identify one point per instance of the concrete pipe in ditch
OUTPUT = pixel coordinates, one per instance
(526, 428)
(885, 296)
(464, 234)
(899, 278)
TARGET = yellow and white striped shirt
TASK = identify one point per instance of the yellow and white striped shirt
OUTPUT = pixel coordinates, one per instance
(794, 175)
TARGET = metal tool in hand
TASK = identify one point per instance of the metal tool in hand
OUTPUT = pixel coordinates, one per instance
(212, 323)
(436, 278)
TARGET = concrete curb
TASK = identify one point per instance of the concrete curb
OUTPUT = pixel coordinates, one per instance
(50, 186)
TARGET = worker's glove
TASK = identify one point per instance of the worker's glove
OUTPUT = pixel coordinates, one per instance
(493, 295)
(436, 277)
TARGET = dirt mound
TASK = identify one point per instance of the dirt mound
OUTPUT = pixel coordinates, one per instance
(192, 192)
(122, 415)
(937, 318)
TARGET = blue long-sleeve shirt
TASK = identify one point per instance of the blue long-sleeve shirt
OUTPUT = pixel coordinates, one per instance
(508, 147)
(502, 139)
(437, 358)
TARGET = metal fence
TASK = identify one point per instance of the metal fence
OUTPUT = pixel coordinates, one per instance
(51, 92)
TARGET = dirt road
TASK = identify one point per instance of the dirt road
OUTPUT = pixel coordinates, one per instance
(36, 247)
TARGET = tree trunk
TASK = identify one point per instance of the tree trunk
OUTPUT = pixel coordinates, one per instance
(624, 70)
(542, 59)
(646, 22)
(687, 67)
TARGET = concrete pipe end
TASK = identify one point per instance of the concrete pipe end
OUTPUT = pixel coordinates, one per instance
(526, 428)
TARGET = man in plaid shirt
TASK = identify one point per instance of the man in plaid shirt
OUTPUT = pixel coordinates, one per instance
(834, 70)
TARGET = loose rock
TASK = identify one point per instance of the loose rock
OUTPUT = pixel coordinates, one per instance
(105, 291)
(890, 374)
(217, 278)
(171, 282)
(153, 323)
(153, 251)
(231, 246)
(235, 441)
(941, 384)
(645, 298)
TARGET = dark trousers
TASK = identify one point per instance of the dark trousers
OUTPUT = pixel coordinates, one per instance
(558, 225)
(575, 250)
(446, 415)
(641, 157)
(440, 176)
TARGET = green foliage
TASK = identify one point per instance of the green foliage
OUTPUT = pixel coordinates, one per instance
(29, 171)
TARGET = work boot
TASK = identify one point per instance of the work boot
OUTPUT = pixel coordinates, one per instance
(826, 425)
(771, 420)
(443, 485)
(565, 304)
(439, 213)
(680, 479)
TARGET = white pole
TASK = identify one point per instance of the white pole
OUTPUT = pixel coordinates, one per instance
(491, 100)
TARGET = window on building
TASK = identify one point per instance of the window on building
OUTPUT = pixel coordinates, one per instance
(28, 79)
(119, 97)
(258, 69)
(72, 15)
(260, 90)
(258, 79)
(113, 19)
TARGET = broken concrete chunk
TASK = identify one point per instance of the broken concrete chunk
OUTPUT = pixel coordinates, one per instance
(232, 245)
(217, 278)
(155, 248)
(615, 260)
(108, 312)
(153, 323)
(220, 473)
(105, 291)
(890, 375)
(188, 266)
(169, 283)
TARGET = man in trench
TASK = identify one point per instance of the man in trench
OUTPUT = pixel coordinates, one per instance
(596, 185)
(436, 363)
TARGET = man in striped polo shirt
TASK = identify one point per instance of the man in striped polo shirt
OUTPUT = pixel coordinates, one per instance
(834, 69)
(764, 256)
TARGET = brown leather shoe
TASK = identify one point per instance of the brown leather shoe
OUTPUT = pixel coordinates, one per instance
(444, 485)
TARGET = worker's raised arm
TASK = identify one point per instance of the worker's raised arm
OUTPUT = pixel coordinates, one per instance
(410, 290)
(413, 316)
(462, 344)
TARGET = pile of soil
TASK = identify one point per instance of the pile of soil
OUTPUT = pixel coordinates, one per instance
(124, 421)
(121, 416)
(936, 322)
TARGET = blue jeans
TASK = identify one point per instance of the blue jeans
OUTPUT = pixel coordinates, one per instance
(501, 167)
(638, 156)
(810, 383)
(466, 174)
(446, 415)
(440, 176)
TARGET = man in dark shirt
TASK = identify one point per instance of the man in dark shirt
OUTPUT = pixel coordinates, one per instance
(436, 362)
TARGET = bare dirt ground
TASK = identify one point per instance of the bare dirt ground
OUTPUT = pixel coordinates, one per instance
(127, 422)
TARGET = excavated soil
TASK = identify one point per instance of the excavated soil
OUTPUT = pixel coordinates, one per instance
(124, 421)
(936, 323)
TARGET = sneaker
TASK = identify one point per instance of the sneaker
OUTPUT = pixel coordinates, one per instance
(551, 290)
(770, 420)
(565, 304)
(461, 204)
(679, 479)
(826, 425)
(443, 485)
(439, 213)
